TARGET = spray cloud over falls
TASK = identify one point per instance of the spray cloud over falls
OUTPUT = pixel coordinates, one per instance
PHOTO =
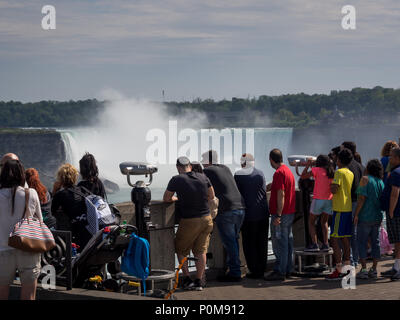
(120, 133)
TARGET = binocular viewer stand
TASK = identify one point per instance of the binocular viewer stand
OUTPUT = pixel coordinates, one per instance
(141, 197)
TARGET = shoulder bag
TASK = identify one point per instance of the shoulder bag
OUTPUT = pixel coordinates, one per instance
(31, 234)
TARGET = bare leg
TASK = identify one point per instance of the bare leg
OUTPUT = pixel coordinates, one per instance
(311, 226)
(364, 263)
(28, 291)
(374, 264)
(346, 250)
(200, 265)
(337, 253)
(324, 225)
(4, 291)
(185, 268)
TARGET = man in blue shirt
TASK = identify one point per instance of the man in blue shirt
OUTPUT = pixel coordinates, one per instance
(251, 184)
(391, 204)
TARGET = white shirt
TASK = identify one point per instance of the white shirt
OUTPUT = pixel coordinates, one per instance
(7, 220)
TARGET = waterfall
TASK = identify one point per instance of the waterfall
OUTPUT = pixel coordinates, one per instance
(72, 150)
(110, 149)
(266, 139)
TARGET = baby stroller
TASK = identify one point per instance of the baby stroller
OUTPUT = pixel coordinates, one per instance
(90, 266)
(104, 249)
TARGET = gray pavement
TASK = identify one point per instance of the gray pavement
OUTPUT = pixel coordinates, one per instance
(299, 289)
(295, 288)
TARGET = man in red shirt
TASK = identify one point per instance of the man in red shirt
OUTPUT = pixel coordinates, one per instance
(282, 206)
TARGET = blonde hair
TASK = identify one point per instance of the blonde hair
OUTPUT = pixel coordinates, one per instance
(388, 146)
(67, 175)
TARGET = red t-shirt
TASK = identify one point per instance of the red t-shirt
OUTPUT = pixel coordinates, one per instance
(283, 180)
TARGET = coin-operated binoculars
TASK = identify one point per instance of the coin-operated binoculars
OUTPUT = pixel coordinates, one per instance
(140, 194)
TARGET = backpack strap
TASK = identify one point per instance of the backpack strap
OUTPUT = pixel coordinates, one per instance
(78, 192)
(91, 193)
(87, 190)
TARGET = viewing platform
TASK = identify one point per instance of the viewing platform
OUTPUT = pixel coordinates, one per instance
(249, 289)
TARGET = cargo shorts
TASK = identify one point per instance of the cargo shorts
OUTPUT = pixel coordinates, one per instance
(193, 234)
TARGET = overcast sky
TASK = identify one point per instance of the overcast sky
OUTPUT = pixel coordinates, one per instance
(195, 48)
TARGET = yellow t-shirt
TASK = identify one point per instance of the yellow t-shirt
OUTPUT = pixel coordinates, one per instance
(341, 201)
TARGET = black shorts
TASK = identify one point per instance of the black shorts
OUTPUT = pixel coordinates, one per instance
(393, 229)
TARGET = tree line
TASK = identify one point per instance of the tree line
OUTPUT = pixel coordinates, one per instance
(289, 110)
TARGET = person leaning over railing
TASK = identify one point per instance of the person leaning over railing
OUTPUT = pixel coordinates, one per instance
(252, 186)
(282, 207)
(193, 191)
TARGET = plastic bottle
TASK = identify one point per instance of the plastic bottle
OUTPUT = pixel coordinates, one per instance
(123, 229)
(106, 232)
(74, 248)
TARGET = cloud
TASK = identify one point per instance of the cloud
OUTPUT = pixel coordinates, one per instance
(159, 30)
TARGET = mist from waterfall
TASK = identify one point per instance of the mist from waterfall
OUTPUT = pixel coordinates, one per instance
(123, 133)
(120, 135)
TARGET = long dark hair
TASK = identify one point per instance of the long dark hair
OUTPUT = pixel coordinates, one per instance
(375, 168)
(12, 176)
(323, 161)
(88, 168)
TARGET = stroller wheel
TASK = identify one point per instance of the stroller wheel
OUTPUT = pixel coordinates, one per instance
(114, 268)
(56, 256)
(111, 285)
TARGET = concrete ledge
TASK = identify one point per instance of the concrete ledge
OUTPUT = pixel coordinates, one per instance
(75, 294)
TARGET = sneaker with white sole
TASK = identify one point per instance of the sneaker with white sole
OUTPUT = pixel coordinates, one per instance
(187, 283)
(195, 285)
(335, 276)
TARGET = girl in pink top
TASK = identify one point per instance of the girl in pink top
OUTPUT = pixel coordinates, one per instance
(323, 174)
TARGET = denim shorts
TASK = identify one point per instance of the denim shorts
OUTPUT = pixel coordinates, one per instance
(321, 206)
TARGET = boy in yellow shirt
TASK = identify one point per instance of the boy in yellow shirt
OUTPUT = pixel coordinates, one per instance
(342, 221)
